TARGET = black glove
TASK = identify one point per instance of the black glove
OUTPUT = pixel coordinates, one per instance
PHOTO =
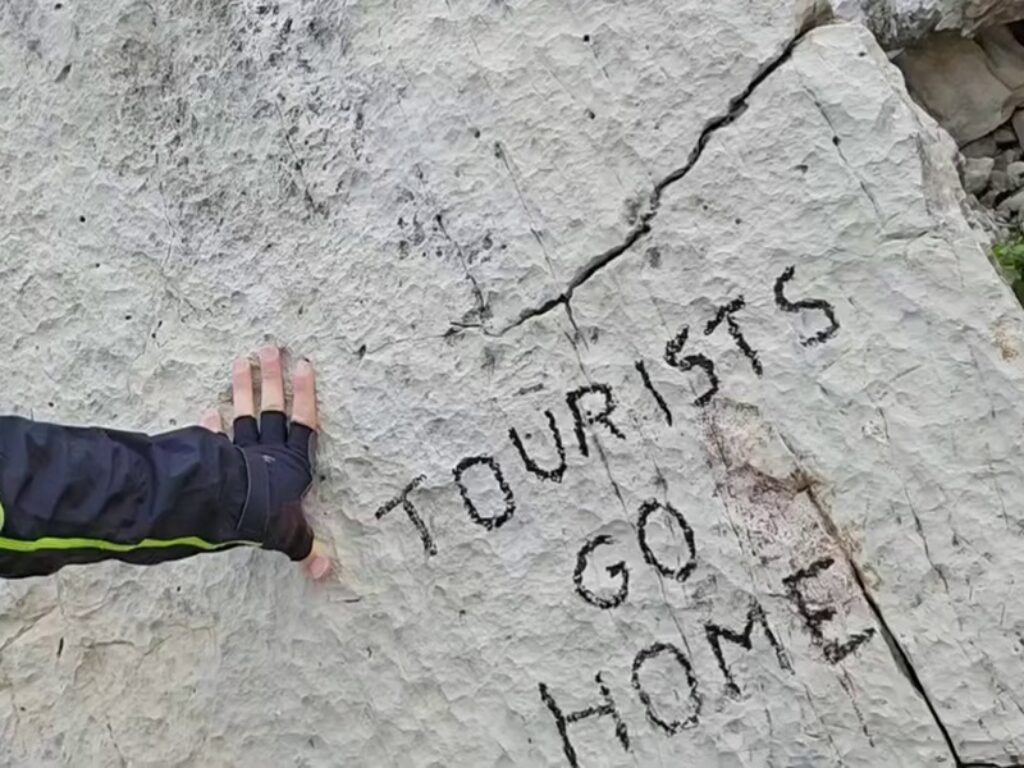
(279, 462)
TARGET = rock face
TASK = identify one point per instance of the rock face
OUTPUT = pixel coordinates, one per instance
(905, 22)
(665, 320)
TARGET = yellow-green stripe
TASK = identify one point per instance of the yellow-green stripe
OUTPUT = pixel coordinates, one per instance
(49, 543)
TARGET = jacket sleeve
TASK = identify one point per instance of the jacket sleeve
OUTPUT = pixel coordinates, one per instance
(80, 495)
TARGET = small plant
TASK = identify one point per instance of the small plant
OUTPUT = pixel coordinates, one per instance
(1010, 256)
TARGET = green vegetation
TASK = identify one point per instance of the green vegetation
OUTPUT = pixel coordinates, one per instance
(1010, 256)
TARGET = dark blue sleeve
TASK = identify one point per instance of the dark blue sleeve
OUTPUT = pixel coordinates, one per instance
(73, 495)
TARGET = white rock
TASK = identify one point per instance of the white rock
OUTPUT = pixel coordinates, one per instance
(1012, 204)
(1006, 158)
(976, 174)
(221, 173)
(1015, 174)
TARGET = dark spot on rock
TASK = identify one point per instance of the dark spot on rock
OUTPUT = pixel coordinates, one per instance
(82, 220)
(595, 334)
(487, 243)
(418, 235)
(498, 153)
(359, 120)
(490, 359)
(403, 248)
(590, 114)
(704, 206)
(262, 9)
(302, 310)
(802, 167)
(632, 211)
(586, 38)
(361, 352)
(653, 257)
(476, 133)
(438, 252)
(58, 6)
(173, 422)
(836, 140)
(738, 221)
(127, 317)
(50, 403)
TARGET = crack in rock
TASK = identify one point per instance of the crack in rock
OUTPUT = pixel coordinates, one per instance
(896, 649)
(736, 107)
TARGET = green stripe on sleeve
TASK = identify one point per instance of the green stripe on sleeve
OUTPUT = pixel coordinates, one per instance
(50, 544)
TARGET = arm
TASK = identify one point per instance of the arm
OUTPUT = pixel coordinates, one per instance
(73, 495)
(82, 495)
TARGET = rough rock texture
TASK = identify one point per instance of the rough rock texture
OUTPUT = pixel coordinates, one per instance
(904, 22)
(463, 212)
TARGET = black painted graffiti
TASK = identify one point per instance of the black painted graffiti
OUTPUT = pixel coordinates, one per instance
(674, 348)
(716, 633)
(618, 569)
(646, 378)
(555, 475)
(647, 509)
(592, 409)
(562, 721)
(819, 304)
(727, 313)
(814, 618)
(584, 417)
(496, 521)
(658, 649)
(411, 513)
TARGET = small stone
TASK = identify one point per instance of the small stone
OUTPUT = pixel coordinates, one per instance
(1012, 204)
(977, 171)
(1012, 155)
(1015, 174)
(1018, 125)
(983, 147)
(999, 182)
(1005, 136)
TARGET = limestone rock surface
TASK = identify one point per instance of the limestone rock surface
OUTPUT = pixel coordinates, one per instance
(904, 22)
(760, 506)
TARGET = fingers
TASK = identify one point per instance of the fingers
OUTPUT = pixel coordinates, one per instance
(241, 388)
(211, 420)
(304, 395)
(272, 380)
(273, 425)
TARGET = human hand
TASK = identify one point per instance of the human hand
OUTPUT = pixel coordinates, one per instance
(279, 456)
